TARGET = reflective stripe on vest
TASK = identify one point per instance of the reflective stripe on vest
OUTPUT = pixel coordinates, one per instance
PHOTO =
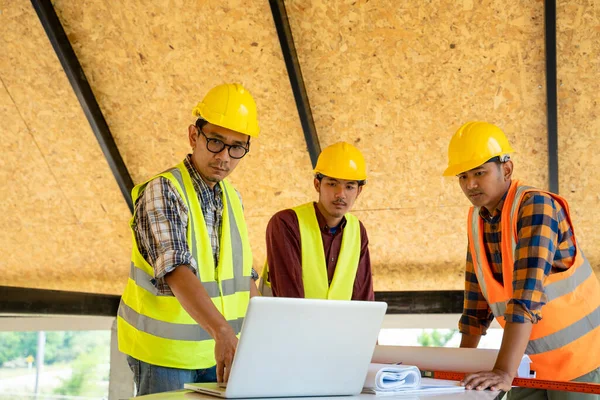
(314, 266)
(167, 330)
(155, 328)
(568, 333)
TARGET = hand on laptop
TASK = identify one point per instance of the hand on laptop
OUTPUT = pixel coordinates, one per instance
(225, 345)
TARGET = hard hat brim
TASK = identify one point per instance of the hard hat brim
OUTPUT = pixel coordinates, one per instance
(454, 170)
(336, 176)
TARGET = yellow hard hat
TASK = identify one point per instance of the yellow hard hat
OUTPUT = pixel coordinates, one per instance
(474, 144)
(342, 161)
(231, 106)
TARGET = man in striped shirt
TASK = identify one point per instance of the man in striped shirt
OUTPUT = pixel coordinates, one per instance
(521, 241)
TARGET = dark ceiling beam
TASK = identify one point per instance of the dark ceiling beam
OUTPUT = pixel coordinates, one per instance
(423, 302)
(83, 91)
(17, 300)
(551, 93)
(284, 32)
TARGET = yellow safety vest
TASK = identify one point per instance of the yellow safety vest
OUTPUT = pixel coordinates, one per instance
(314, 267)
(155, 328)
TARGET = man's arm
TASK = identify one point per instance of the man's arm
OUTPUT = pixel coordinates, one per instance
(363, 284)
(195, 300)
(284, 255)
(469, 341)
(473, 323)
(514, 342)
(253, 289)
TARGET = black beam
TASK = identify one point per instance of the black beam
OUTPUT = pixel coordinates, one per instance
(551, 93)
(423, 302)
(284, 32)
(81, 87)
(17, 300)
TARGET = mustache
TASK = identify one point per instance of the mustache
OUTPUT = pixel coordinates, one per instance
(473, 192)
(339, 203)
(222, 166)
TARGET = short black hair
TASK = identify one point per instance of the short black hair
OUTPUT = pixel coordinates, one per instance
(320, 177)
(200, 122)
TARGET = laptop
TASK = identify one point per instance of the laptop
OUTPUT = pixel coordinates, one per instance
(301, 347)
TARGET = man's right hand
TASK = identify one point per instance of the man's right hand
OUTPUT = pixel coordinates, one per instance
(225, 346)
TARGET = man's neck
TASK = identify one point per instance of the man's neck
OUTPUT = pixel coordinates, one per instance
(210, 184)
(491, 209)
(330, 220)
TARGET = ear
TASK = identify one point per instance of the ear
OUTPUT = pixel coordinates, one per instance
(507, 170)
(360, 188)
(317, 185)
(193, 135)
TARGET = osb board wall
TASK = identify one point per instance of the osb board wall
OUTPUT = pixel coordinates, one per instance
(578, 49)
(62, 213)
(148, 65)
(397, 79)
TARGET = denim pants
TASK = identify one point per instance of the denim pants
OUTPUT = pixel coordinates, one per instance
(151, 379)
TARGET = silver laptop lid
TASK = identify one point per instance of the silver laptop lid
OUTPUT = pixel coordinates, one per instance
(304, 347)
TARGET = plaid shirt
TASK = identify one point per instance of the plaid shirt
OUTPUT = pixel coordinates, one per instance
(160, 225)
(544, 246)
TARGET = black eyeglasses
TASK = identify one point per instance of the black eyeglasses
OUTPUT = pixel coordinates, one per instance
(216, 146)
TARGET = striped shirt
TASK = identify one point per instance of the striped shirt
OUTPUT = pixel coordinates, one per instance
(160, 225)
(544, 246)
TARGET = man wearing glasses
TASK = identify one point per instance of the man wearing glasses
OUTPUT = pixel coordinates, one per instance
(191, 271)
(319, 250)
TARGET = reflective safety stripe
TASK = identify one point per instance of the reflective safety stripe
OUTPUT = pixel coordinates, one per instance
(568, 285)
(478, 255)
(230, 286)
(237, 252)
(516, 203)
(142, 279)
(177, 175)
(233, 285)
(554, 290)
(166, 330)
(565, 335)
(498, 308)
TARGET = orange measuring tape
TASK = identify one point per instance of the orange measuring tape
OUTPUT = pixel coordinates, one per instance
(580, 387)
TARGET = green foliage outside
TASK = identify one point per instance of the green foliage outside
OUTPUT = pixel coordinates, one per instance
(86, 353)
(60, 346)
(435, 338)
(85, 366)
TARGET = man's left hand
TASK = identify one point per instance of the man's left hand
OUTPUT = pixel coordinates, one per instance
(495, 379)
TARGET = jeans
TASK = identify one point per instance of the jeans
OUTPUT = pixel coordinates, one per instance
(151, 379)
